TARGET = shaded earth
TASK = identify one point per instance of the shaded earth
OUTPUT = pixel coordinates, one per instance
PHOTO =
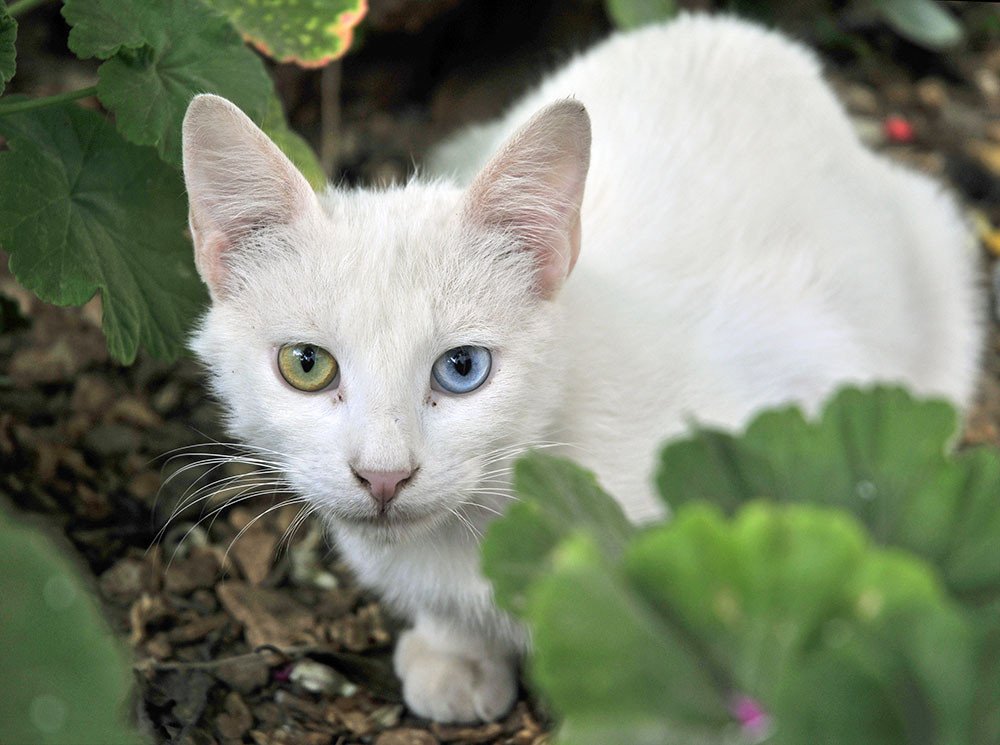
(244, 626)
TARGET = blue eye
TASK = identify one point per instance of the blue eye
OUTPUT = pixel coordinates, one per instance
(462, 369)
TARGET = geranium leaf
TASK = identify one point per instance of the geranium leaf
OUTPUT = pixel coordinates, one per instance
(881, 455)
(799, 610)
(557, 497)
(169, 51)
(64, 678)
(99, 28)
(85, 211)
(310, 33)
(8, 54)
(616, 670)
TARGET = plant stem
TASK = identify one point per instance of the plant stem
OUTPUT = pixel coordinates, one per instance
(329, 116)
(23, 6)
(12, 107)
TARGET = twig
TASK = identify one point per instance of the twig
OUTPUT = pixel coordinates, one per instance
(12, 107)
(329, 117)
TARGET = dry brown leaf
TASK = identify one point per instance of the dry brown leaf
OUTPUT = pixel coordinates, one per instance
(268, 616)
(406, 736)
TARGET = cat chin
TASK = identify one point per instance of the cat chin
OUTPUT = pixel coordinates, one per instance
(395, 526)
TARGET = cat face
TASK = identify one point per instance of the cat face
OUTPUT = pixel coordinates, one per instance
(388, 349)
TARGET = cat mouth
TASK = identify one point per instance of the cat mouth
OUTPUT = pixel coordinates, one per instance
(391, 518)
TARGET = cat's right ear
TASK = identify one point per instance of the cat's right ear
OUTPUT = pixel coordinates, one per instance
(237, 181)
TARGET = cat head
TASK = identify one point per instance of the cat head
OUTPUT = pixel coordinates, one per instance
(387, 349)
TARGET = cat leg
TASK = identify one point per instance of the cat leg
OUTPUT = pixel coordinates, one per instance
(454, 676)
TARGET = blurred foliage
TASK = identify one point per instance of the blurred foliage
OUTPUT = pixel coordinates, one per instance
(830, 581)
(924, 22)
(97, 205)
(65, 678)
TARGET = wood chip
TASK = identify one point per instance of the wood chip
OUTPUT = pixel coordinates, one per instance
(197, 629)
(467, 735)
(235, 720)
(406, 736)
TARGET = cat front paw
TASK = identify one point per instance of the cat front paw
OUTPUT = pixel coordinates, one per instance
(451, 686)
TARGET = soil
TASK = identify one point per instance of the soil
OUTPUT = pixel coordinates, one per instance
(244, 626)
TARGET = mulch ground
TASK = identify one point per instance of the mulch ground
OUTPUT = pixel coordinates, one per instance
(248, 630)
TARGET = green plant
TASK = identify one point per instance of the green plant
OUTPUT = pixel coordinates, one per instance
(64, 679)
(924, 22)
(92, 204)
(827, 581)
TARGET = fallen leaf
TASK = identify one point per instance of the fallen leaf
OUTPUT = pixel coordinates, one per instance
(268, 616)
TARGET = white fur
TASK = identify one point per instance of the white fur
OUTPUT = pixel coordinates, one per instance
(740, 249)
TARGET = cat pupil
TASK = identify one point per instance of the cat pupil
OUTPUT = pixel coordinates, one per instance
(307, 358)
(461, 360)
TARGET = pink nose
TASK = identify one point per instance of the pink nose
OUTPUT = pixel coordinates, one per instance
(382, 485)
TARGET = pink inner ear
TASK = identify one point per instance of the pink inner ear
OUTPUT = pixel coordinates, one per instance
(533, 187)
(237, 179)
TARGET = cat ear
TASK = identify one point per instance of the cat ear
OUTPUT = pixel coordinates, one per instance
(237, 181)
(532, 189)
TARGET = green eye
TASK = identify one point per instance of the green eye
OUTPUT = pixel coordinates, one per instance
(306, 366)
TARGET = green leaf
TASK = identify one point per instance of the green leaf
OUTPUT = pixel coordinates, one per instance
(878, 454)
(294, 146)
(63, 678)
(83, 211)
(166, 52)
(924, 22)
(632, 13)
(310, 33)
(8, 54)
(616, 670)
(99, 28)
(800, 612)
(557, 497)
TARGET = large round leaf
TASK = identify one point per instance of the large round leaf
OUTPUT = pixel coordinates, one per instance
(85, 211)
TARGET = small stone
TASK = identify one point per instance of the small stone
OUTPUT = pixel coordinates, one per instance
(316, 677)
(406, 736)
(388, 715)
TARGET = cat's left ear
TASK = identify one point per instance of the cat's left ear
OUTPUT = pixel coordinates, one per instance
(533, 187)
(238, 181)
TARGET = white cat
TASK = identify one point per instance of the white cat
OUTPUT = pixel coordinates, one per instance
(396, 348)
